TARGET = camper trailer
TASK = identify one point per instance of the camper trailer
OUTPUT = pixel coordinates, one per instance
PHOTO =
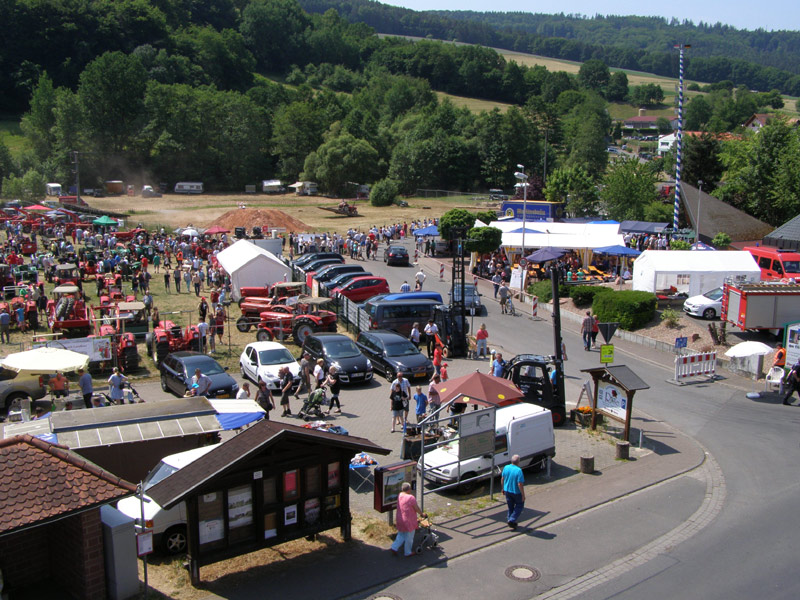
(189, 187)
(272, 186)
(53, 189)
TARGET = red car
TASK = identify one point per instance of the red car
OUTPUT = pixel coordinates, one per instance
(359, 289)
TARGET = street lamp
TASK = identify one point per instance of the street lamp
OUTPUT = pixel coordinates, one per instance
(699, 200)
(520, 175)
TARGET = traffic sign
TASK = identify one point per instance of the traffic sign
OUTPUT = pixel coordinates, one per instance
(607, 353)
(681, 342)
(607, 329)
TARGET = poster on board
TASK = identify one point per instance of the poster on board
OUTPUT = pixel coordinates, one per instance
(613, 401)
(792, 343)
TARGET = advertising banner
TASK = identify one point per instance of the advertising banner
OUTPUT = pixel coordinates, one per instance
(613, 401)
(98, 349)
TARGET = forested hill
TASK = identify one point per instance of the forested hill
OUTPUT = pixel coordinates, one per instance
(758, 59)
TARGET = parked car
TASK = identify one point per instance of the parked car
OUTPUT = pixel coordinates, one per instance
(343, 278)
(362, 288)
(395, 255)
(307, 258)
(177, 370)
(708, 305)
(317, 264)
(331, 271)
(261, 361)
(19, 386)
(391, 353)
(339, 351)
(472, 298)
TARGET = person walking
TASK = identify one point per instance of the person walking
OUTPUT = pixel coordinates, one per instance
(201, 383)
(405, 288)
(244, 392)
(414, 336)
(793, 382)
(396, 406)
(319, 373)
(503, 293)
(434, 402)
(87, 388)
(497, 365)
(420, 277)
(305, 375)
(595, 330)
(166, 280)
(176, 275)
(407, 511)
(5, 326)
(286, 389)
(481, 342)
(586, 330)
(437, 359)
(422, 404)
(264, 398)
(334, 385)
(497, 279)
(115, 384)
(431, 330)
(513, 483)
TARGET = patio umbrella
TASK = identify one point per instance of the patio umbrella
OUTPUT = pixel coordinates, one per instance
(746, 350)
(216, 230)
(46, 360)
(104, 220)
(37, 207)
(429, 230)
(190, 231)
(545, 254)
(479, 388)
(617, 251)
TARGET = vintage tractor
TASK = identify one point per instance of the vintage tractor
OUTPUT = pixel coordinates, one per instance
(301, 319)
(88, 265)
(274, 291)
(168, 337)
(67, 312)
(253, 307)
(26, 274)
(22, 296)
(109, 324)
(67, 274)
(8, 281)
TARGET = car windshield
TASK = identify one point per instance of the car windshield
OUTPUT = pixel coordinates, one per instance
(206, 366)
(791, 266)
(276, 356)
(162, 471)
(401, 348)
(341, 349)
(714, 294)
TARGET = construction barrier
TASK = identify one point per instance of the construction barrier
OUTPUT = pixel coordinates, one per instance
(694, 365)
(416, 255)
(441, 272)
(534, 306)
(475, 281)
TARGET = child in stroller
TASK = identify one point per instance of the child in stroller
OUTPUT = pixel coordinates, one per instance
(312, 408)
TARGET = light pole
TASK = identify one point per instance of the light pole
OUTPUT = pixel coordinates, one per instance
(699, 201)
(524, 179)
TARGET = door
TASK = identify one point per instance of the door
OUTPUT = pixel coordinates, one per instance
(251, 364)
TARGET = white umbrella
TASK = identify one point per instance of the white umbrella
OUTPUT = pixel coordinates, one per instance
(191, 232)
(46, 360)
(745, 350)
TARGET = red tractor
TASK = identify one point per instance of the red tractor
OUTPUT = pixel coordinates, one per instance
(274, 291)
(300, 319)
(67, 274)
(7, 280)
(107, 324)
(253, 307)
(67, 312)
(22, 298)
(168, 337)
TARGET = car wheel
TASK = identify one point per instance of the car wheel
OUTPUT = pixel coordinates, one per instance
(709, 314)
(174, 540)
(164, 385)
(559, 414)
(15, 396)
(469, 486)
(390, 374)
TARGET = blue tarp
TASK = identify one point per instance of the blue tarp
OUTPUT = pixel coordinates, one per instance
(617, 251)
(237, 420)
(429, 230)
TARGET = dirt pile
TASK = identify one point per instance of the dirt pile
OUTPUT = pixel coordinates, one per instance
(265, 218)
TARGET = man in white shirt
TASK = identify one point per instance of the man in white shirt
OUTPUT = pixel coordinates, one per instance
(420, 277)
(203, 383)
(202, 328)
(430, 333)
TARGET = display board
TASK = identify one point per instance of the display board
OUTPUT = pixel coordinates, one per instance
(613, 401)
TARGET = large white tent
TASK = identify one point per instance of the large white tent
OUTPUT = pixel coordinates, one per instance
(691, 271)
(248, 265)
(571, 236)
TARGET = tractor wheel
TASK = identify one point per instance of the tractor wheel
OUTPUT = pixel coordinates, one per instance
(264, 335)
(243, 324)
(160, 352)
(129, 359)
(148, 343)
(302, 330)
(33, 320)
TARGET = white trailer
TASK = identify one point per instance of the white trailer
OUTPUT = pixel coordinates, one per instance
(761, 305)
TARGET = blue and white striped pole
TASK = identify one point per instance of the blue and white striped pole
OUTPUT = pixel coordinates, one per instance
(677, 208)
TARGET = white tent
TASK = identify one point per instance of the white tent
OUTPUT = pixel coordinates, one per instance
(571, 236)
(691, 271)
(251, 266)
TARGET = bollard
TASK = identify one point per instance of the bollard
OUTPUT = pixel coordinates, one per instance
(587, 464)
(441, 272)
(641, 435)
(623, 450)
(475, 281)
(534, 306)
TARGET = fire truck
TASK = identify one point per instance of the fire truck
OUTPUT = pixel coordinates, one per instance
(765, 305)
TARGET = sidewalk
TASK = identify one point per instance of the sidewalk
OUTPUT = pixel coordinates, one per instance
(356, 567)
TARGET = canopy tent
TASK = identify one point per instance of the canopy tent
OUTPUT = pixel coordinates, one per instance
(37, 207)
(216, 230)
(691, 272)
(617, 251)
(429, 230)
(105, 220)
(251, 266)
(526, 230)
(572, 236)
(479, 388)
(190, 232)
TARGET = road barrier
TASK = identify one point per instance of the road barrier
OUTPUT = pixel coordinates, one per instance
(534, 306)
(416, 255)
(475, 281)
(441, 272)
(703, 364)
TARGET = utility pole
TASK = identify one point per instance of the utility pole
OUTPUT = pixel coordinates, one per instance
(77, 170)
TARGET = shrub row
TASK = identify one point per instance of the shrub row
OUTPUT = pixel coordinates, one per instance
(583, 295)
(544, 290)
(631, 309)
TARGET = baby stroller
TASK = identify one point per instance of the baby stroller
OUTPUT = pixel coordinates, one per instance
(429, 539)
(130, 396)
(312, 408)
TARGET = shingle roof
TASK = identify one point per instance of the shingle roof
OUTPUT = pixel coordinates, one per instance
(786, 236)
(40, 481)
(263, 434)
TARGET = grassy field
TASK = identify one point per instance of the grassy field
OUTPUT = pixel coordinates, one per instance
(11, 135)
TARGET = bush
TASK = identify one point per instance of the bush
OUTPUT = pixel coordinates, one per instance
(679, 245)
(543, 290)
(583, 295)
(629, 308)
(721, 241)
(383, 193)
(670, 317)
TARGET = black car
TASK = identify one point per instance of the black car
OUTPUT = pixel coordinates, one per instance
(316, 265)
(331, 271)
(307, 258)
(177, 370)
(343, 278)
(395, 255)
(341, 352)
(390, 353)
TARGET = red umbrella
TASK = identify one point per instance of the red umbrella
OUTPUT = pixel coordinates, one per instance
(216, 229)
(37, 207)
(479, 388)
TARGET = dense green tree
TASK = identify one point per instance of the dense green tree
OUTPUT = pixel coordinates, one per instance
(297, 131)
(6, 162)
(663, 125)
(275, 31)
(594, 75)
(648, 94)
(222, 55)
(28, 188)
(37, 124)
(628, 188)
(617, 90)
(698, 113)
(383, 193)
(484, 239)
(585, 128)
(455, 218)
(701, 161)
(574, 187)
(339, 160)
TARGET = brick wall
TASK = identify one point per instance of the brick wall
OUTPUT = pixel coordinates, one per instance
(76, 556)
(22, 557)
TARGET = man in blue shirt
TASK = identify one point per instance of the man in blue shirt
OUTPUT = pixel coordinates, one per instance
(5, 324)
(514, 490)
(497, 365)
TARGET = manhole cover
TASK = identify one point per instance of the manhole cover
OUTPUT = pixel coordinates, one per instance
(523, 573)
(386, 597)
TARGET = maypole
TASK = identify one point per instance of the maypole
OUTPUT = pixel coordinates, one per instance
(677, 208)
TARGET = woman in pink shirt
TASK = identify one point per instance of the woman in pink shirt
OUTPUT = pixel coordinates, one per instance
(481, 338)
(407, 510)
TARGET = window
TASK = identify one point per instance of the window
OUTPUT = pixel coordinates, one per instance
(777, 267)
(764, 262)
(501, 444)
(683, 279)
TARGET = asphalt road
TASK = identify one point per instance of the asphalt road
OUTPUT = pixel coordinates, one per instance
(744, 548)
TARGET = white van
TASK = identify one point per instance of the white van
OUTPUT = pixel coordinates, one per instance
(52, 189)
(169, 526)
(523, 429)
(189, 187)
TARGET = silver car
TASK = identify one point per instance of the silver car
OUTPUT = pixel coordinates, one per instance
(472, 298)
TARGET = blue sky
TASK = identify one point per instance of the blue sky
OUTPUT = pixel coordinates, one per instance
(781, 14)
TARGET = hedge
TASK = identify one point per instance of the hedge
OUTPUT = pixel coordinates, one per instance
(629, 308)
(544, 290)
(583, 295)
